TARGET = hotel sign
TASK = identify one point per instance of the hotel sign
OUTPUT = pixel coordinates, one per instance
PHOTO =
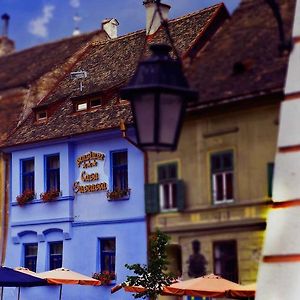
(90, 179)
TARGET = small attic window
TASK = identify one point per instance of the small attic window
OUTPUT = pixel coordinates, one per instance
(41, 115)
(95, 102)
(81, 106)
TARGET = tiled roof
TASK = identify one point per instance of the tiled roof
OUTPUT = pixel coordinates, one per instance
(21, 68)
(243, 58)
(109, 65)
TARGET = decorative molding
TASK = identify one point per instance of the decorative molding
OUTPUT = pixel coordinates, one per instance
(221, 132)
(37, 201)
(286, 149)
(105, 222)
(40, 222)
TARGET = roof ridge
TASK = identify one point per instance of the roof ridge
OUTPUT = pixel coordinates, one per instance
(139, 31)
(52, 42)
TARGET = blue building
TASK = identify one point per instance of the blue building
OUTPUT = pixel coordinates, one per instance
(97, 221)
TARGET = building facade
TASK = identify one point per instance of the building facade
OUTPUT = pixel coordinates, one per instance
(213, 194)
(94, 224)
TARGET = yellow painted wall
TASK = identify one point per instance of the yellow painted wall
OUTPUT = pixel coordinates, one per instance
(254, 145)
(252, 135)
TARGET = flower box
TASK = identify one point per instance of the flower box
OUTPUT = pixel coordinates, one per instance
(105, 277)
(25, 197)
(50, 196)
(118, 194)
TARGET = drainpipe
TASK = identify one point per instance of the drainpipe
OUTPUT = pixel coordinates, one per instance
(5, 204)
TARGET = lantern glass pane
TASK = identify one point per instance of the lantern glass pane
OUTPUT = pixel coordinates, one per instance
(144, 114)
(169, 117)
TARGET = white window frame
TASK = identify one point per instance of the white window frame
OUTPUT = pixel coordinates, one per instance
(171, 201)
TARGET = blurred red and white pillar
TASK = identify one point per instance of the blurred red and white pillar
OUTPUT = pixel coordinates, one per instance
(279, 272)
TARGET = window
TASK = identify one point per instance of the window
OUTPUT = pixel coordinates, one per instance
(167, 179)
(225, 260)
(108, 255)
(56, 255)
(81, 106)
(52, 169)
(28, 174)
(119, 170)
(95, 102)
(30, 256)
(41, 115)
(222, 176)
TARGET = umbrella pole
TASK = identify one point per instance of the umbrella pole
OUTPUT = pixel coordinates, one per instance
(19, 292)
(60, 292)
(2, 293)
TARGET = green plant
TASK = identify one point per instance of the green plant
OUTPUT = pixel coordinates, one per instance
(105, 277)
(50, 195)
(154, 276)
(25, 197)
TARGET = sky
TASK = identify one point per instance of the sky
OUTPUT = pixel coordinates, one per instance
(39, 21)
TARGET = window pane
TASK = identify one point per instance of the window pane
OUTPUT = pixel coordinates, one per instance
(28, 175)
(56, 255)
(215, 163)
(229, 186)
(108, 254)
(167, 172)
(219, 187)
(120, 170)
(227, 161)
(30, 256)
(53, 173)
(81, 106)
(95, 102)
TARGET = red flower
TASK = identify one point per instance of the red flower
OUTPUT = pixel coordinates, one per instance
(25, 197)
(50, 195)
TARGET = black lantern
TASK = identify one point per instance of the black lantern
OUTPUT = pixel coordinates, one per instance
(158, 92)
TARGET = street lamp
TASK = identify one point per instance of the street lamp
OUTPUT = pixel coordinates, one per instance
(158, 92)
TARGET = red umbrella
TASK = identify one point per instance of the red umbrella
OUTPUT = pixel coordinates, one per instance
(245, 291)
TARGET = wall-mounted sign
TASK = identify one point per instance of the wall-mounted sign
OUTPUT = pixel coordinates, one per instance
(90, 181)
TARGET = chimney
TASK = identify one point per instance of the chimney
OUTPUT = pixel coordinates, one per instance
(110, 27)
(151, 14)
(7, 46)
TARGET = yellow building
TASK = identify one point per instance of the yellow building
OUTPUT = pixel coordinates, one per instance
(212, 195)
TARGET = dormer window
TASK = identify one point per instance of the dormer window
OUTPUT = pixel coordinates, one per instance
(87, 104)
(95, 102)
(81, 106)
(41, 116)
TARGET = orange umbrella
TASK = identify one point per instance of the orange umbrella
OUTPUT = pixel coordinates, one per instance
(205, 286)
(245, 291)
(66, 276)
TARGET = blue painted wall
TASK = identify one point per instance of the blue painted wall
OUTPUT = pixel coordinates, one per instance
(79, 220)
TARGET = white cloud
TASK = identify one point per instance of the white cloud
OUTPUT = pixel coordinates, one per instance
(38, 26)
(74, 3)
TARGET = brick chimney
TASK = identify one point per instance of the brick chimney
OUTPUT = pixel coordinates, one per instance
(151, 6)
(7, 46)
(110, 25)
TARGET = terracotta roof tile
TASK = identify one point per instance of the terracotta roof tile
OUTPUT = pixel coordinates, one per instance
(243, 58)
(109, 65)
(22, 68)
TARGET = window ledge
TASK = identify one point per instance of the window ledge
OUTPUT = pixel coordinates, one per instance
(119, 199)
(36, 201)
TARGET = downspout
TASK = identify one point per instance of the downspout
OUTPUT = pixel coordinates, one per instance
(5, 204)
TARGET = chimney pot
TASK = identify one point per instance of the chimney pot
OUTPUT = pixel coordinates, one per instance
(5, 18)
(153, 20)
(110, 25)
